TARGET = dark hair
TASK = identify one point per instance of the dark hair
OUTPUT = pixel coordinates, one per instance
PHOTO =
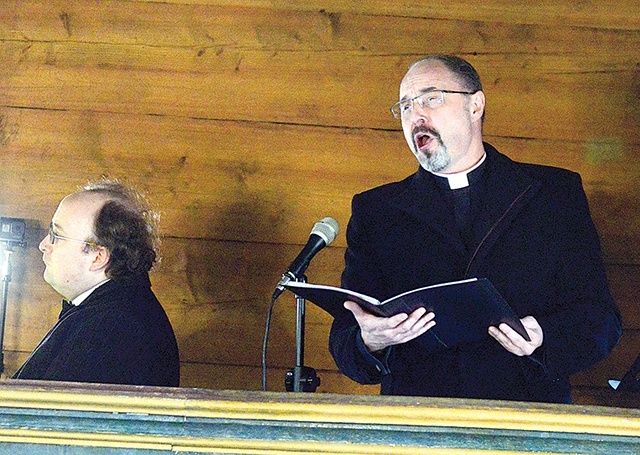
(127, 226)
(466, 73)
(463, 70)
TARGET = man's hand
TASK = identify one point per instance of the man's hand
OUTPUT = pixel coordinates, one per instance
(513, 342)
(379, 333)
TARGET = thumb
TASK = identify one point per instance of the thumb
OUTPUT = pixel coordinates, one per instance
(354, 308)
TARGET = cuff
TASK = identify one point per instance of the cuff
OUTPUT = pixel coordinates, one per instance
(380, 360)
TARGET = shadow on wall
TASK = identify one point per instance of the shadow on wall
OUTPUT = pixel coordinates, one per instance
(230, 283)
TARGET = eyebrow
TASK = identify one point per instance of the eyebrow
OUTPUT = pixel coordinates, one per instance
(56, 227)
(422, 92)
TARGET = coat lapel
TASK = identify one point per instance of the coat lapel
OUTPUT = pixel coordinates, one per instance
(506, 192)
(425, 201)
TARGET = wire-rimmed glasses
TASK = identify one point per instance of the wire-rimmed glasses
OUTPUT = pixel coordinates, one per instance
(53, 236)
(431, 99)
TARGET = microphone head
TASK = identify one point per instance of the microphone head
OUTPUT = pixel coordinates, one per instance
(327, 229)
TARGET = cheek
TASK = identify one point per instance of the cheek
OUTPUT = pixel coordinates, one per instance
(60, 261)
(407, 134)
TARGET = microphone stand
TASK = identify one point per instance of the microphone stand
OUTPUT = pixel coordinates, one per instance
(301, 378)
(6, 278)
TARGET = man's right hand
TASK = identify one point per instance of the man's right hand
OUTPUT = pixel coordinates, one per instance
(379, 333)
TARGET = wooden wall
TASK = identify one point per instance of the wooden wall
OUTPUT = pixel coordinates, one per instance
(248, 121)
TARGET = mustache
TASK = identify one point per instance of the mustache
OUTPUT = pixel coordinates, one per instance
(425, 130)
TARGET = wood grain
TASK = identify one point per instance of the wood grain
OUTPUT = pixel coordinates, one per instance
(248, 121)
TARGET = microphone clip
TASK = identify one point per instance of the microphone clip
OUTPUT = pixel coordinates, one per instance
(286, 277)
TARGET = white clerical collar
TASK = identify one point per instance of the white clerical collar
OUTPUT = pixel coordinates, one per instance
(82, 297)
(459, 180)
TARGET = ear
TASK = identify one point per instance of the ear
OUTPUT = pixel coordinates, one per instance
(101, 259)
(476, 105)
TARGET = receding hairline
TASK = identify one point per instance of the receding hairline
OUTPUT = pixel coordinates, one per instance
(87, 196)
(97, 199)
(462, 71)
(430, 62)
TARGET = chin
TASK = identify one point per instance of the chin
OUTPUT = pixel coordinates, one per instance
(49, 279)
(433, 164)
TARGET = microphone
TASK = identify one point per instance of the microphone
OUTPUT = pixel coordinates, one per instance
(322, 234)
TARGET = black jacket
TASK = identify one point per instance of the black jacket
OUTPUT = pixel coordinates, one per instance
(531, 235)
(119, 335)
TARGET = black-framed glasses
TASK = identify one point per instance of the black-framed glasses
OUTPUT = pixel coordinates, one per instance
(431, 99)
(53, 236)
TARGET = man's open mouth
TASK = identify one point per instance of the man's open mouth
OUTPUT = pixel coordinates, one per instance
(423, 139)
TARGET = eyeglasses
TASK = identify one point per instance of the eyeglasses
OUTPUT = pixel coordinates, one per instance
(53, 236)
(431, 99)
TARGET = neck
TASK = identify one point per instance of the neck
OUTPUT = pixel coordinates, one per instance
(84, 286)
(77, 300)
(475, 153)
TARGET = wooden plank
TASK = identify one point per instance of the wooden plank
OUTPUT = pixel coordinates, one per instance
(221, 180)
(216, 292)
(621, 14)
(208, 27)
(219, 291)
(595, 396)
(550, 95)
(39, 418)
(232, 377)
(264, 183)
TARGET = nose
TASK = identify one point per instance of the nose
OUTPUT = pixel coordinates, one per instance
(418, 119)
(418, 113)
(44, 243)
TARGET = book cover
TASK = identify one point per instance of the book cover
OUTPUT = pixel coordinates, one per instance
(464, 310)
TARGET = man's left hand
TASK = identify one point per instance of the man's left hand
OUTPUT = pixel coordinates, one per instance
(513, 342)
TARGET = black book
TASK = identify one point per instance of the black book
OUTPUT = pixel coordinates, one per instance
(464, 310)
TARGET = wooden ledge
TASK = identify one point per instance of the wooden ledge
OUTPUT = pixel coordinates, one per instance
(221, 421)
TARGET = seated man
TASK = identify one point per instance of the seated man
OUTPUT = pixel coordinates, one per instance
(99, 249)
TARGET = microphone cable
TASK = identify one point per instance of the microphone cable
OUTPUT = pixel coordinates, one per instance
(265, 342)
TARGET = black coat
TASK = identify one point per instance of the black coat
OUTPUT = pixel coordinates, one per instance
(119, 335)
(531, 235)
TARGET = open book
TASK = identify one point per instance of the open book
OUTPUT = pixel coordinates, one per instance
(464, 310)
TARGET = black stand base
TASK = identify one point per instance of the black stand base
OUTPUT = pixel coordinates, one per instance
(308, 381)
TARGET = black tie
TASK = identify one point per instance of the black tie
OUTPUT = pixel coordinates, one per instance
(66, 306)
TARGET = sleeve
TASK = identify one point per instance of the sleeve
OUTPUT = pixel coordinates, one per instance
(588, 326)
(362, 275)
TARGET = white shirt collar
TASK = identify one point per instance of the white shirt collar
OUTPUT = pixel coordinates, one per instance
(82, 297)
(459, 180)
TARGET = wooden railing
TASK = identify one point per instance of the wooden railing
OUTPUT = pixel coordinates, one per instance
(39, 418)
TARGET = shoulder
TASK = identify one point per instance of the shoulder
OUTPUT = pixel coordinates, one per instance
(388, 191)
(125, 304)
(555, 182)
(548, 176)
